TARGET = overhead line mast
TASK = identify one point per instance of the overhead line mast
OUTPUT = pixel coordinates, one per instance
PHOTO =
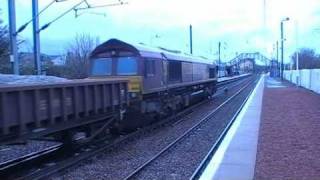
(36, 37)
(13, 37)
(190, 33)
(36, 30)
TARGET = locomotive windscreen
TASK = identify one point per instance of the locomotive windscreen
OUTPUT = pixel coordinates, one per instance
(122, 66)
(101, 66)
(127, 66)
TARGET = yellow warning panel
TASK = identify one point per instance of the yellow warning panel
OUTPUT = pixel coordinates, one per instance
(134, 83)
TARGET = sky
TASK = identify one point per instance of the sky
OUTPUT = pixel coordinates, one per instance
(240, 25)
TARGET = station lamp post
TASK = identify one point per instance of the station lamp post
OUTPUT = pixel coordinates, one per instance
(190, 34)
(282, 43)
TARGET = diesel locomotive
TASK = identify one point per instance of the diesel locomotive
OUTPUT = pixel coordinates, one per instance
(160, 81)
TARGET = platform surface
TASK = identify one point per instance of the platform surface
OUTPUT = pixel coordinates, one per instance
(236, 156)
(275, 137)
(221, 79)
(289, 138)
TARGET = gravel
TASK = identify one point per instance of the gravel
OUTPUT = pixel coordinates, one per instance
(12, 152)
(122, 160)
(289, 146)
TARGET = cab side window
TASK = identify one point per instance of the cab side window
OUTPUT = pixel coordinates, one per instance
(212, 73)
(150, 69)
(174, 71)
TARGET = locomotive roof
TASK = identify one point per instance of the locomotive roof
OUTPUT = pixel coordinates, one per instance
(146, 51)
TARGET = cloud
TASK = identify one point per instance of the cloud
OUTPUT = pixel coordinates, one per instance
(239, 23)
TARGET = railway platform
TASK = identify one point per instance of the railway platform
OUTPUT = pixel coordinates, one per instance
(275, 136)
(223, 79)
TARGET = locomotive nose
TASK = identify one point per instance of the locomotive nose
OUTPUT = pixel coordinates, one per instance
(134, 83)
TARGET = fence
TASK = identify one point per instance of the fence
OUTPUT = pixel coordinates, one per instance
(307, 78)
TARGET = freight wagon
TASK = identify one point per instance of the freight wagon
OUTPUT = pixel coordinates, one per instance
(60, 108)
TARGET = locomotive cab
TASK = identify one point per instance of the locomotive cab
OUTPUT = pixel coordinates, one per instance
(118, 63)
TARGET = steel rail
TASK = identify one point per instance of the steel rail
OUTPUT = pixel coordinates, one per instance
(7, 166)
(43, 173)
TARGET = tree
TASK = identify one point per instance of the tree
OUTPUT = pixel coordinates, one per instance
(4, 49)
(308, 59)
(78, 53)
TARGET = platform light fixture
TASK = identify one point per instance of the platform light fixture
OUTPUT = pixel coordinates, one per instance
(282, 43)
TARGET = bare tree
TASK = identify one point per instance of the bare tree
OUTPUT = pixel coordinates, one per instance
(78, 53)
(308, 59)
(4, 48)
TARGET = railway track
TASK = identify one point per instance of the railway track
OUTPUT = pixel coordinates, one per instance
(43, 172)
(17, 162)
(150, 167)
(121, 161)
